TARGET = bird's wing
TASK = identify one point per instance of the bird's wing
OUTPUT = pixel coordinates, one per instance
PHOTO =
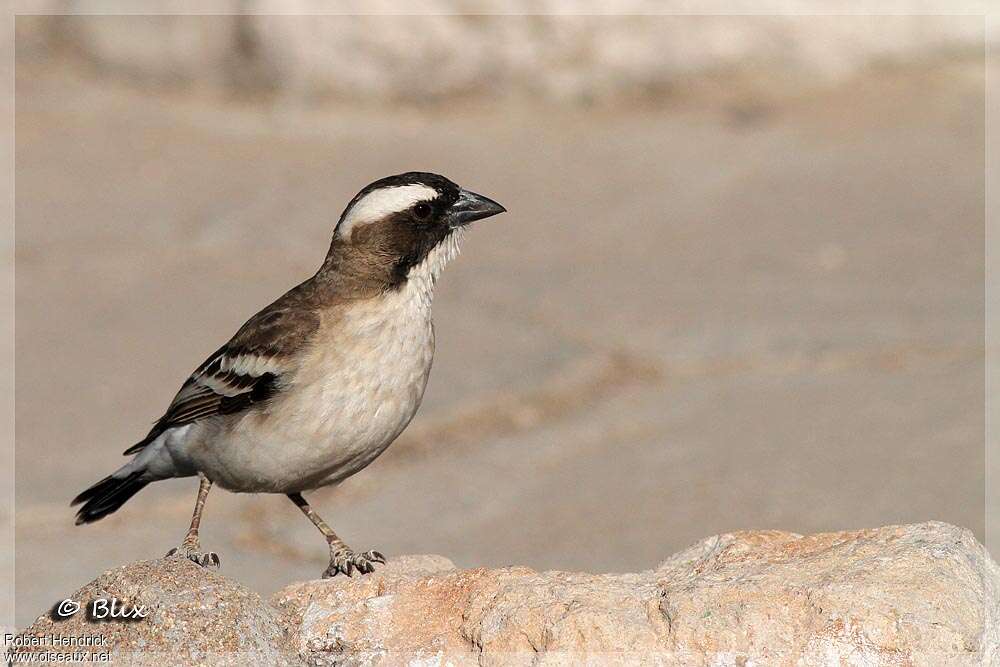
(245, 371)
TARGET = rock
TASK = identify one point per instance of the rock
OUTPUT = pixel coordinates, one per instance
(925, 594)
(194, 616)
(529, 48)
(165, 49)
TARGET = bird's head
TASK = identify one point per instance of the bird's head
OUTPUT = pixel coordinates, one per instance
(408, 224)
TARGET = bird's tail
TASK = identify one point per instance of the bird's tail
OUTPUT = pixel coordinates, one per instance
(108, 495)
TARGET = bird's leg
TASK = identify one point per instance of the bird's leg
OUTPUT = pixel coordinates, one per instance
(189, 548)
(342, 557)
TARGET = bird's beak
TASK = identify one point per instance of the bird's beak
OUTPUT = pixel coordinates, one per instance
(470, 207)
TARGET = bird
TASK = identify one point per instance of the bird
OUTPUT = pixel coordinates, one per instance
(319, 383)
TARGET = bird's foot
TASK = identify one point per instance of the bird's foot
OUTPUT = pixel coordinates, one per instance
(191, 552)
(346, 561)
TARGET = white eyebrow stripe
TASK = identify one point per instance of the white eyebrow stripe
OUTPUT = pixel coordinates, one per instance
(382, 202)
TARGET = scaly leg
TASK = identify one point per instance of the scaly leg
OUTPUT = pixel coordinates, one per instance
(189, 548)
(342, 557)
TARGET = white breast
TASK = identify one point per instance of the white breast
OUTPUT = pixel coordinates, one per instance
(367, 375)
(356, 390)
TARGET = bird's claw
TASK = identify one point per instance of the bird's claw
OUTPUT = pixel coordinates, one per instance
(205, 559)
(345, 561)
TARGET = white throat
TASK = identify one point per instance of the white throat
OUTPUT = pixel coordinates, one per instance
(421, 277)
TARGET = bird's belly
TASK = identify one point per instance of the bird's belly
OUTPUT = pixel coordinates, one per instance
(296, 457)
(337, 418)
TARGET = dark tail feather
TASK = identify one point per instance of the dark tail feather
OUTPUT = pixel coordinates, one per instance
(106, 496)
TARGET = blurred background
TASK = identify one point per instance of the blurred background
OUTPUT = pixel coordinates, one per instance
(740, 285)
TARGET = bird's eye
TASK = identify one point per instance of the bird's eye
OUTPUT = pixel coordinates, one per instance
(422, 211)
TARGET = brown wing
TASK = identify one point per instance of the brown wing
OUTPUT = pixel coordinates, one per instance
(245, 371)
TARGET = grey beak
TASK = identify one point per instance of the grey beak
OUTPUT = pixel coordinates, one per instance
(470, 207)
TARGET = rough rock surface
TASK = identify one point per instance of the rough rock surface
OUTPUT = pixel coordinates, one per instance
(921, 594)
(924, 594)
(193, 616)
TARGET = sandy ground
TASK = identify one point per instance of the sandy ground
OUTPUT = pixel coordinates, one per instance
(696, 318)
